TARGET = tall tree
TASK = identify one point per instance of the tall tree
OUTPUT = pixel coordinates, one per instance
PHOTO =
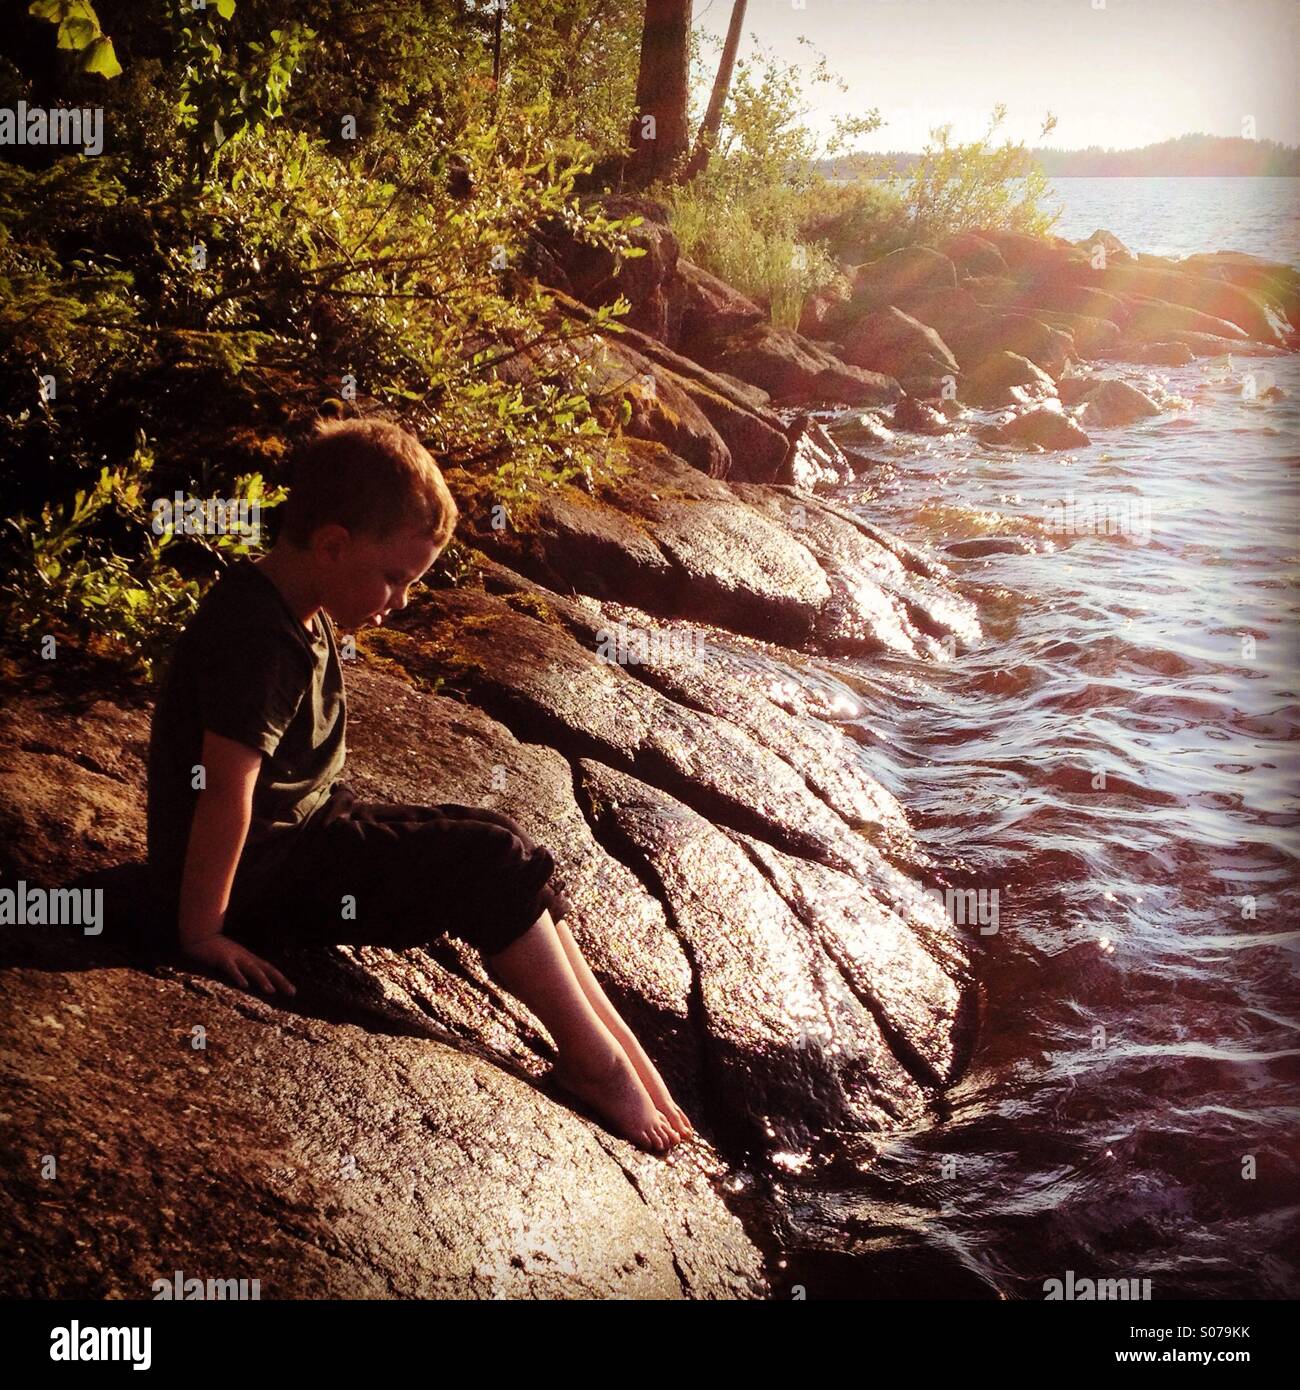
(708, 134)
(658, 134)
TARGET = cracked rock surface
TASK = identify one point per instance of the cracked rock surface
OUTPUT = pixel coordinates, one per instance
(743, 885)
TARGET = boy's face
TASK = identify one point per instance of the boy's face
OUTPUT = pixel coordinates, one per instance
(362, 578)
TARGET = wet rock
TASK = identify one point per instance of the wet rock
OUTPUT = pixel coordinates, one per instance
(734, 683)
(401, 1070)
(979, 547)
(859, 429)
(740, 556)
(815, 459)
(1198, 344)
(919, 417)
(794, 369)
(786, 1025)
(1072, 389)
(1002, 379)
(1111, 403)
(896, 344)
(1048, 429)
(1162, 354)
(884, 596)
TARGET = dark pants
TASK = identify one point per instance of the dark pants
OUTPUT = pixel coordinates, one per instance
(375, 873)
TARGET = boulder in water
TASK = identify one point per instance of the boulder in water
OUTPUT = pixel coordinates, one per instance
(896, 344)
(1047, 429)
(1002, 379)
(1111, 402)
(919, 417)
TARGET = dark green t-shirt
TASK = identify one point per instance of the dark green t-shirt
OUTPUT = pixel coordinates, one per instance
(248, 669)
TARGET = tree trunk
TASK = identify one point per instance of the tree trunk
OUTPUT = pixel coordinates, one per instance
(658, 133)
(708, 133)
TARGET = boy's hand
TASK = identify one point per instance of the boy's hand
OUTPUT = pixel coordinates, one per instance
(237, 963)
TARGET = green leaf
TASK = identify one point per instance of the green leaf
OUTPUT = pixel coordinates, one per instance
(100, 58)
(225, 8)
(76, 33)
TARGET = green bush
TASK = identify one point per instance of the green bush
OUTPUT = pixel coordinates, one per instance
(962, 187)
(97, 572)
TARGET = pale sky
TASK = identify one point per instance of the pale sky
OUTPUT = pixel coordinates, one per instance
(1117, 73)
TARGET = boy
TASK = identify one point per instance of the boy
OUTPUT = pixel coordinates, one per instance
(254, 841)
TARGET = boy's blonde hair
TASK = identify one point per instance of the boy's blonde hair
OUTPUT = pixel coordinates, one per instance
(371, 476)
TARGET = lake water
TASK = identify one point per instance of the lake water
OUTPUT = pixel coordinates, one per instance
(1118, 760)
(1176, 217)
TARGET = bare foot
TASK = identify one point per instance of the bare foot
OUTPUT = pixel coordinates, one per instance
(611, 1087)
(655, 1088)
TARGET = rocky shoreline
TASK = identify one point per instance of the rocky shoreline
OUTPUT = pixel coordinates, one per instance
(746, 889)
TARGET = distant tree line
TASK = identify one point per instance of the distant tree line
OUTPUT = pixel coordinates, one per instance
(1186, 156)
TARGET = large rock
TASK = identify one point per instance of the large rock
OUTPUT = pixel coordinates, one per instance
(894, 343)
(1274, 282)
(711, 308)
(1047, 347)
(972, 254)
(662, 405)
(1218, 299)
(591, 274)
(1035, 257)
(946, 311)
(679, 544)
(1002, 379)
(378, 1135)
(725, 857)
(1040, 428)
(795, 370)
(909, 271)
(1153, 320)
(919, 417)
(815, 458)
(1091, 335)
(1112, 402)
(754, 437)
(1106, 247)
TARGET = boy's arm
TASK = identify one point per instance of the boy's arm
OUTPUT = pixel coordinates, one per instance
(222, 816)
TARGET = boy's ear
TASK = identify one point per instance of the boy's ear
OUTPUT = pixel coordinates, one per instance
(331, 540)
